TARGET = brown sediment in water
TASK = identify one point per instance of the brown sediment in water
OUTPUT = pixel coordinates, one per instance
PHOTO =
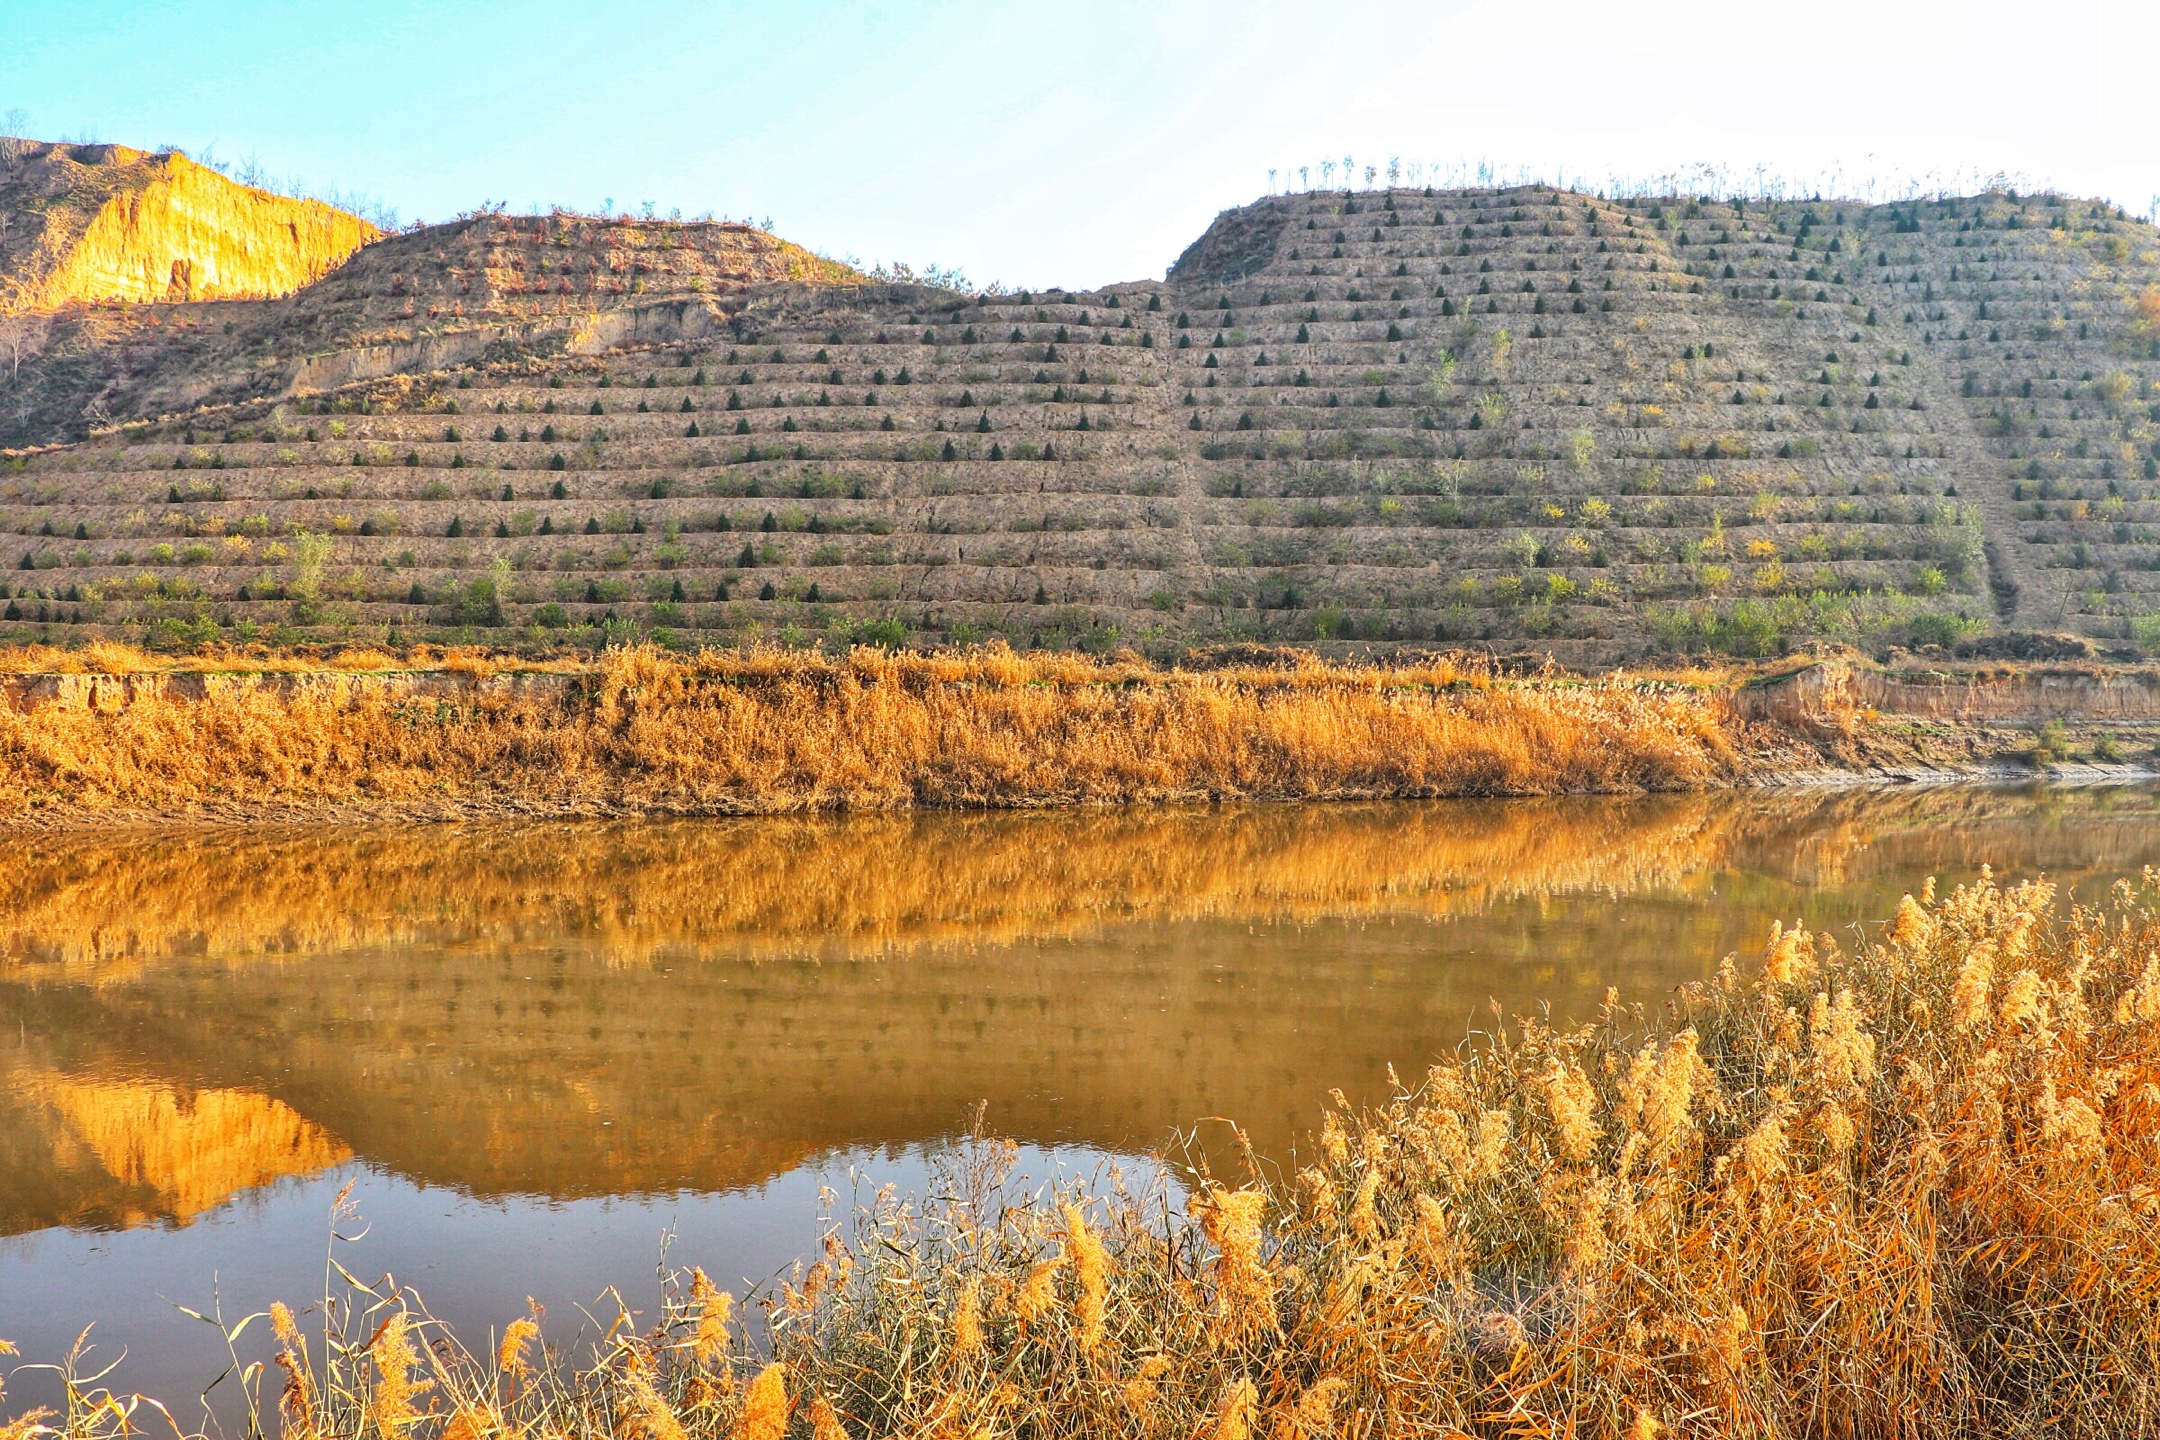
(645, 732)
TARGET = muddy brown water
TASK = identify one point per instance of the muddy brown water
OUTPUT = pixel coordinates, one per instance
(533, 1051)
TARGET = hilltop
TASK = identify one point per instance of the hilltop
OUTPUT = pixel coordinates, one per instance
(1599, 427)
(77, 366)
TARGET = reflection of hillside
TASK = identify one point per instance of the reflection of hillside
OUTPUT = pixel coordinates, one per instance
(538, 1066)
(843, 886)
(456, 1005)
(129, 1151)
(1850, 838)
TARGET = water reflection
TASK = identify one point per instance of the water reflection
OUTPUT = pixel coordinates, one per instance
(590, 1010)
(114, 1153)
(565, 1013)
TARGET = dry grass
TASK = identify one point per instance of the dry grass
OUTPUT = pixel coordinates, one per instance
(111, 657)
(640, 731)
(1912, 1190)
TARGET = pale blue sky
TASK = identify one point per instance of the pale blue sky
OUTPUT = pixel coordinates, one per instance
(1077, 145)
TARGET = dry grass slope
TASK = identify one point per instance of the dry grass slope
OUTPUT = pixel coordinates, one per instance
(730, 732)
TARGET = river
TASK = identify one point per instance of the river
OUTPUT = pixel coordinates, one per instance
(532, 1052)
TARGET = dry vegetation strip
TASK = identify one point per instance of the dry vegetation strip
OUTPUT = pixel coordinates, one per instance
(1908, 1190)
(740, 732)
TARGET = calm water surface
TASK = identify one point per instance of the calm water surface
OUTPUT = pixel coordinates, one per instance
(532, 1051)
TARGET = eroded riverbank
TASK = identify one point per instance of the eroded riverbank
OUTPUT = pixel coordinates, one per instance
(114, 738)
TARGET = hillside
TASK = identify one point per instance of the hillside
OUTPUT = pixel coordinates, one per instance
(488, 280)
(1509, 417)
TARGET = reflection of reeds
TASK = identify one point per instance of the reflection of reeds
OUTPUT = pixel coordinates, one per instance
(837, 886)
(102, 905)
(1910, 1190)
(728, 732)
(189, 1150)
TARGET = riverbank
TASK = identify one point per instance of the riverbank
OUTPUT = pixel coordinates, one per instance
(113, 736)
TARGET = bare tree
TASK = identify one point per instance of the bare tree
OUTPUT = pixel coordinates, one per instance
(22, 337)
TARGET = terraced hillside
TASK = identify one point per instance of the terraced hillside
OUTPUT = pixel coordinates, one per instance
(420, 300)
(1511, 417)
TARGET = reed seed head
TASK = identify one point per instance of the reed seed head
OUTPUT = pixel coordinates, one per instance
(765, 1406)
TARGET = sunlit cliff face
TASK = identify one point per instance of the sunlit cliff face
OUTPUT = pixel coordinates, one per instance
(122, 225)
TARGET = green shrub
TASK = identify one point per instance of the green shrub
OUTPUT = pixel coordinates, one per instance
(1936, 628)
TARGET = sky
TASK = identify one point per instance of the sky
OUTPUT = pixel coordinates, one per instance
(1035, 145)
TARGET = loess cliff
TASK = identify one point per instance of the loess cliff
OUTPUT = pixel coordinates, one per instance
(100, 223)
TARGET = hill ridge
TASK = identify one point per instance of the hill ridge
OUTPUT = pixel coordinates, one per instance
(1391, 417)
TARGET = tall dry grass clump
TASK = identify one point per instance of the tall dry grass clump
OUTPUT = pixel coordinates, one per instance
(1908, 1190)
(747, 732)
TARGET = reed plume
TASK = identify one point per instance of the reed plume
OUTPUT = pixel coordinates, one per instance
(392, 1411)
(1244, 1290)
(765, 1408)
(1091, 1276)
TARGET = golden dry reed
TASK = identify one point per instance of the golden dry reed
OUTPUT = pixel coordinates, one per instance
(642, 731)
(1911, 1190)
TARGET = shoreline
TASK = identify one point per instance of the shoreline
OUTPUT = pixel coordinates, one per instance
(641, 731)
(113, 739)
(478, 811)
